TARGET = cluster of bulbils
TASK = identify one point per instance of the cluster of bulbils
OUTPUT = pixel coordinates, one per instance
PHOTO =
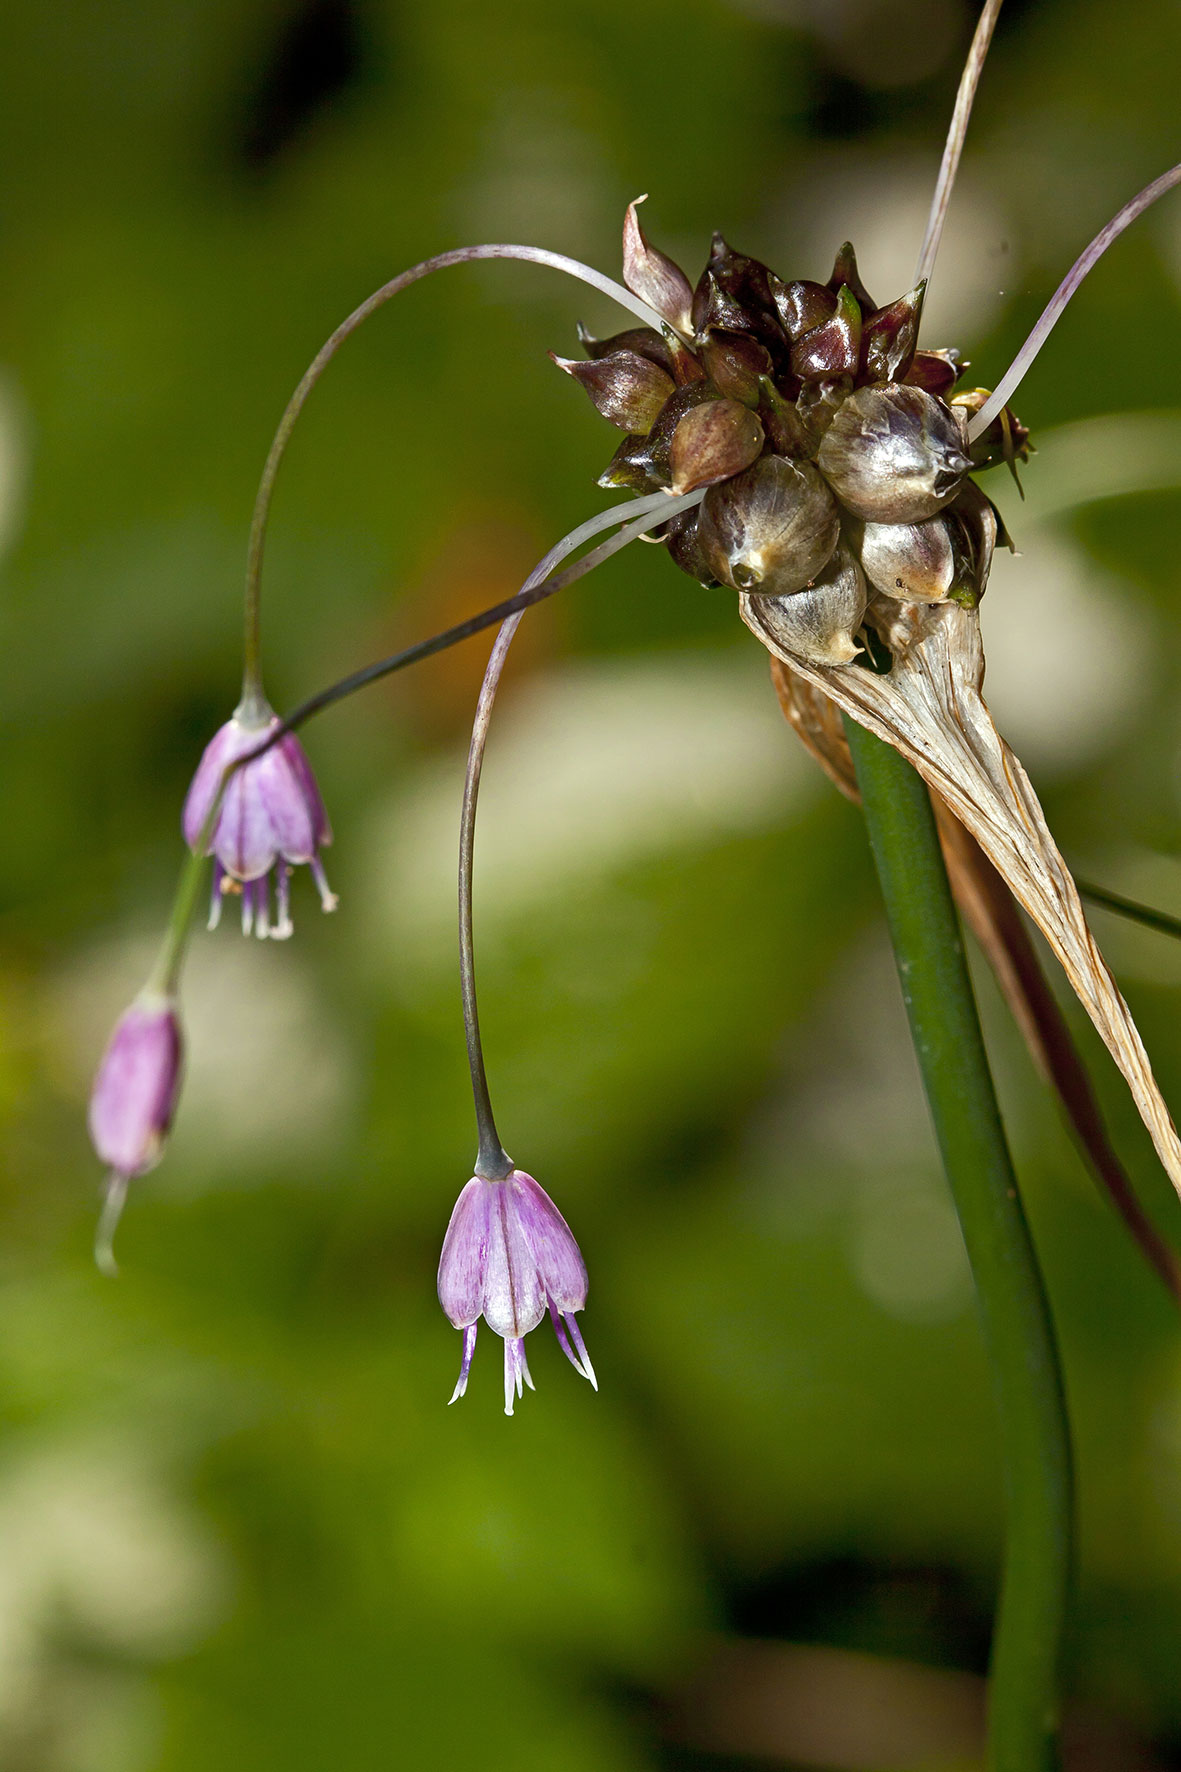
(835, 452)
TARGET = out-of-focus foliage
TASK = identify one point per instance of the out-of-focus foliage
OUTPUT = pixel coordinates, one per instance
(238, 1526)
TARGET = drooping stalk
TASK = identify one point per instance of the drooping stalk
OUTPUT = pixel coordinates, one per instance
(954, 146)
(1018, 1330)
(491, 1161)
(252, 653)
(646, 514)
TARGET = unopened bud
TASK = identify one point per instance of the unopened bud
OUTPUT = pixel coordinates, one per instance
(893, 454)
(713, 442)
(772, 528)
(652, 275)
(818, 624)
(624, 388)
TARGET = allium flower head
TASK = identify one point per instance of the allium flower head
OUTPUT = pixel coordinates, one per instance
(507, 1255)
(271, 816)
(810, 414)
(133, 1101)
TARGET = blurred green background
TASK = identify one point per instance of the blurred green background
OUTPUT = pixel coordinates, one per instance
(238, 1525)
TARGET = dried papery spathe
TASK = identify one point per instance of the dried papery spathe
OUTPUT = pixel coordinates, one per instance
(929, 706)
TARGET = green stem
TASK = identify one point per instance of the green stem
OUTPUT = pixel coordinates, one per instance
(1019, 1334)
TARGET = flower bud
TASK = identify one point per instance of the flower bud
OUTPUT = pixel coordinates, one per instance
(893, 454)
(819, 623)
(782, 421)
(889, 337)
(834, 347)
(771, 528)
(624, 388)
(644, 464)
(136, 1086)
(713, 442)
(653, 276)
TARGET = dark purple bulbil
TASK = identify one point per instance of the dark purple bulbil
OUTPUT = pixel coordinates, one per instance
(813, 383)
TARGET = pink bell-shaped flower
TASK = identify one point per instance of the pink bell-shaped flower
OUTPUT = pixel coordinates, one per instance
(271, 816)
(507, 1256)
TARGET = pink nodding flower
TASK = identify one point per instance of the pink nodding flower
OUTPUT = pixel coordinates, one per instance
(136, 1086)
(271, 816)
(507, 1256)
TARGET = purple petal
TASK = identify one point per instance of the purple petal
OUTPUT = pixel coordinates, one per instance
(222, 748)
(514, 1297)
(135, 1090)
(469, 1348)
(463, 1263)
(293, 812)
(305, 782)
(271, 807)
(555, 1253)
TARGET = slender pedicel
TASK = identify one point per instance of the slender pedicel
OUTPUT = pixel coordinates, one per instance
(492, 1164)
(954, 146)
(251, 682)
(1011, 380)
